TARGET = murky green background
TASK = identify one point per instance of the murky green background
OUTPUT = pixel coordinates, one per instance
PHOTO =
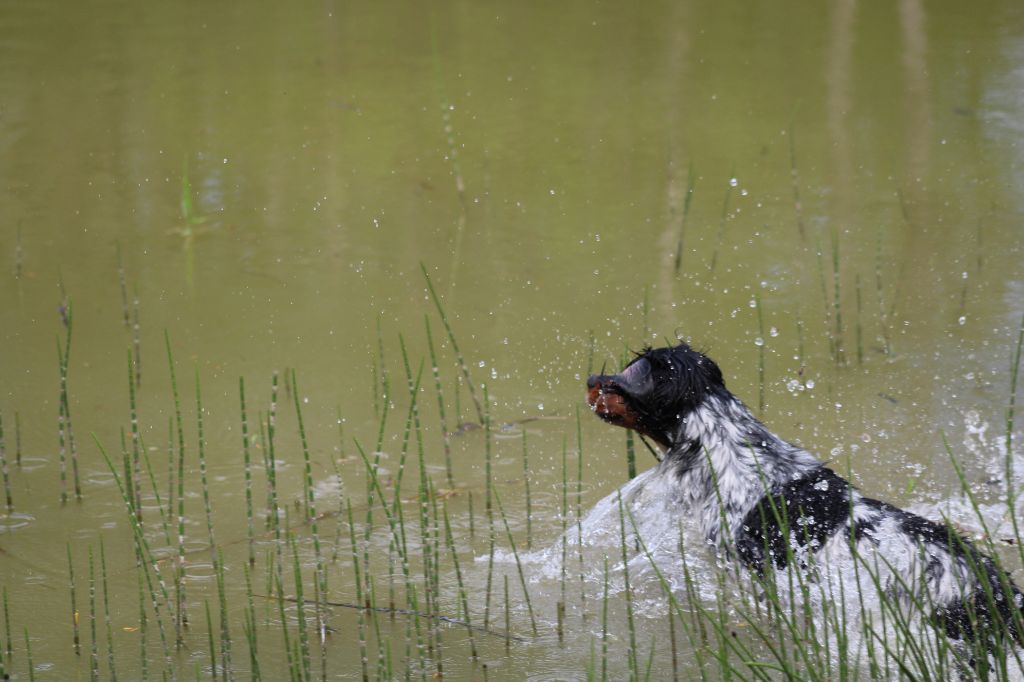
(536, 160)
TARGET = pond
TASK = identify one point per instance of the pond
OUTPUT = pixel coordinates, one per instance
(476, 205)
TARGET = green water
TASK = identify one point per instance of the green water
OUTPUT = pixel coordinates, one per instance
(272, 176)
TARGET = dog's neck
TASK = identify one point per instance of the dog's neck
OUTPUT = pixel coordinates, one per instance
(726, 461)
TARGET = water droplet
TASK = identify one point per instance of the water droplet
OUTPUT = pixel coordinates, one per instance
(481, 364)
(733, 182)
(773, 332)
(962, 320)
(753, 303)
(809, 384)
(758, 341)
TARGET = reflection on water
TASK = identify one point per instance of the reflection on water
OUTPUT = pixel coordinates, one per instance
(270, 181)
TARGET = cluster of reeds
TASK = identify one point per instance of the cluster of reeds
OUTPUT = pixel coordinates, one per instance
(402, 564)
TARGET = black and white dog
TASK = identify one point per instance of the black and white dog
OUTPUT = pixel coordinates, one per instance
(771, 505)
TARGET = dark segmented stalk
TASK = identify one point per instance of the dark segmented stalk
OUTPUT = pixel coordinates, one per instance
(795, 179)
(143, 628)
(760, 354)
(28, 658)
(209, 638)
(604, 625)
(3, 468)
(860, 333)
(124, 286)
(137, 338)
(632, 654)
(94, 654)
(180, 611)
(519, 565)
(579, 507)
(526, 485)
(690, 183)
(307, 668)
(76, 640)
(455, 345)
(17, 439)
(207, 505)
(1014, 371)
(106, 612)
(450, 541)
(248, 474)
(311, 516)
(840, 353)
(249, 626)
(361, 616)
(136, 464)
(445, 436)
(722, 220)
(225, 629)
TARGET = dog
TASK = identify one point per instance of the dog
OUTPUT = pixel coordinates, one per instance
(768, 505)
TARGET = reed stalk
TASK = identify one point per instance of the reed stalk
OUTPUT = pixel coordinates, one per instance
(4, 470)
(76, 641)
(180, 602)
(526, 485)
(207, 505)
(1011, 406)
(94, 653)
(136, 464)
(450, 541)
(209, 638)
(519, 565)
(17, 439)
(722, 220)
(455, 346)
(632, 651)
(112, 669)
(28, 658)
(143, 631)
(690, 182)
(247, 462)
(445, 436)
(795, 179)
(361, 615)
(760, 354)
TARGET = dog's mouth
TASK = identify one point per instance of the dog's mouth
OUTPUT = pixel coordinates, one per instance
(606, 400)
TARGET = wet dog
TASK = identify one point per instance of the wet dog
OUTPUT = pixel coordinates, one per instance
(771, 505)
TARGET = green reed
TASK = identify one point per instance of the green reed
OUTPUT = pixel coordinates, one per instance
(453, 552)
(760, 354)
(361, 615)
(690, 183)
(726, 200)
(7, 630)
(75, 641)
(604, 623)
(65, 431)
(137, 338)
(247, 463)
(631, 654)
(207, 505)
(17, 439)
(180, 602)
(136, 467)
(1011, 406)
(519, 565)
(837, 316)
(143, 631)
(3, 468)
(445, 436)
(798, 209)
(526, 485)
(106, 613)
(94, 652)
(455, 346)
(28, 657)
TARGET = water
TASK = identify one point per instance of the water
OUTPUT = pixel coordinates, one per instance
(273, 177)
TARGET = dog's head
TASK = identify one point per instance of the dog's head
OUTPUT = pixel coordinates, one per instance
(656, 391)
